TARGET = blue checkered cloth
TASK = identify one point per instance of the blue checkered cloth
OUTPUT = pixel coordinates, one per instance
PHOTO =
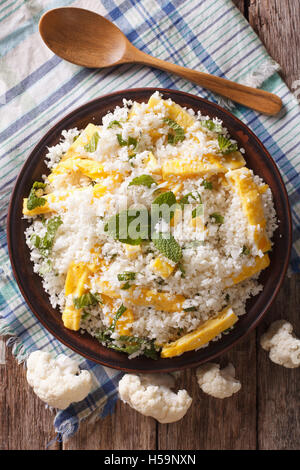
(37, 88)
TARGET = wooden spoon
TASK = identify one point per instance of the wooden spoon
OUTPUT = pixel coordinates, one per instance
(86, 38)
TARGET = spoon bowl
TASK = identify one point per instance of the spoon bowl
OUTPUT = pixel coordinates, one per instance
(88, 39)
(83, 37)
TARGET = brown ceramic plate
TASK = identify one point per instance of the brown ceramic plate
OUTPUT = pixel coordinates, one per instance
(30, 284)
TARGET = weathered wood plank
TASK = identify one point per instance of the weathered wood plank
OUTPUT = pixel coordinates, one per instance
(213, 423)
(277, 23)
(241, 5)
(125, 429)
(25, 424)
(278, 387)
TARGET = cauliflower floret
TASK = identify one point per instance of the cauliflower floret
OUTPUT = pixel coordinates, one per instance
(284, 347)
(216, 382)
(151, 395)
(59, 381)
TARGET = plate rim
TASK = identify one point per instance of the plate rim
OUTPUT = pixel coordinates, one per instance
(167, 368)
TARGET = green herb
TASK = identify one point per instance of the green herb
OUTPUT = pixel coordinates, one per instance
(219, 219)
(179, 331)
(211, 125)
(126, 276)
(197, 211)
(131, 344)
(227, 298)
(126, 143)
(75, 138)
(178, 132)
(167, 245)
(126, 286)
(186, 199)
(93, 143)
(118, 315)
(245, 250)
(207, 184)
(131, 156)
(181, 268)
(85, 315)
(157, 209)
(190, 309)
(129, 226)
(143, 180)
(45, 243)
(193, 244)
(114, 123)
(87, 300)
(225, 145)
(35, 198)
(46, 267)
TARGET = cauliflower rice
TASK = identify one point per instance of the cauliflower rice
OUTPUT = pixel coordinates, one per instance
(211, 235)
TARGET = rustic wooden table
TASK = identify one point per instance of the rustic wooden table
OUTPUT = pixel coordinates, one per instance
(265, 414)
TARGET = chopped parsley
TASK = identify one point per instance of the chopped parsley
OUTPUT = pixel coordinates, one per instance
(143, 180)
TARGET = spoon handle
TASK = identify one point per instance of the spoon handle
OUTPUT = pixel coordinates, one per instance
(260, 100)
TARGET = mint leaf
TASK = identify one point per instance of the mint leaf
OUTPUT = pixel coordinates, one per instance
(197, 211)
(163, 207)
(93, 143)
(143, 180)
(45, 243)
(119, 313)
(219, 219)
(212, 126)
(126, 276)
(114, 123)
(35, 198)
(167, 245)
(207, 184)
(129, 226)
(124, 143)
(86, 300)
(245, 250)
(178, 131)
(190, 309)
(225, 145)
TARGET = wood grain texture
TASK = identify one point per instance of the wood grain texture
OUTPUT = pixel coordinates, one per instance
(277, 22)
(124, 429)
(278, 387)
(24, 421)
(264, 414)
(212, 423)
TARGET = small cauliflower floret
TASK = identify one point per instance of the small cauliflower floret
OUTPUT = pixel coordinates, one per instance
(216, 382)
(59, 381)
(284, 347)
(151, 395)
